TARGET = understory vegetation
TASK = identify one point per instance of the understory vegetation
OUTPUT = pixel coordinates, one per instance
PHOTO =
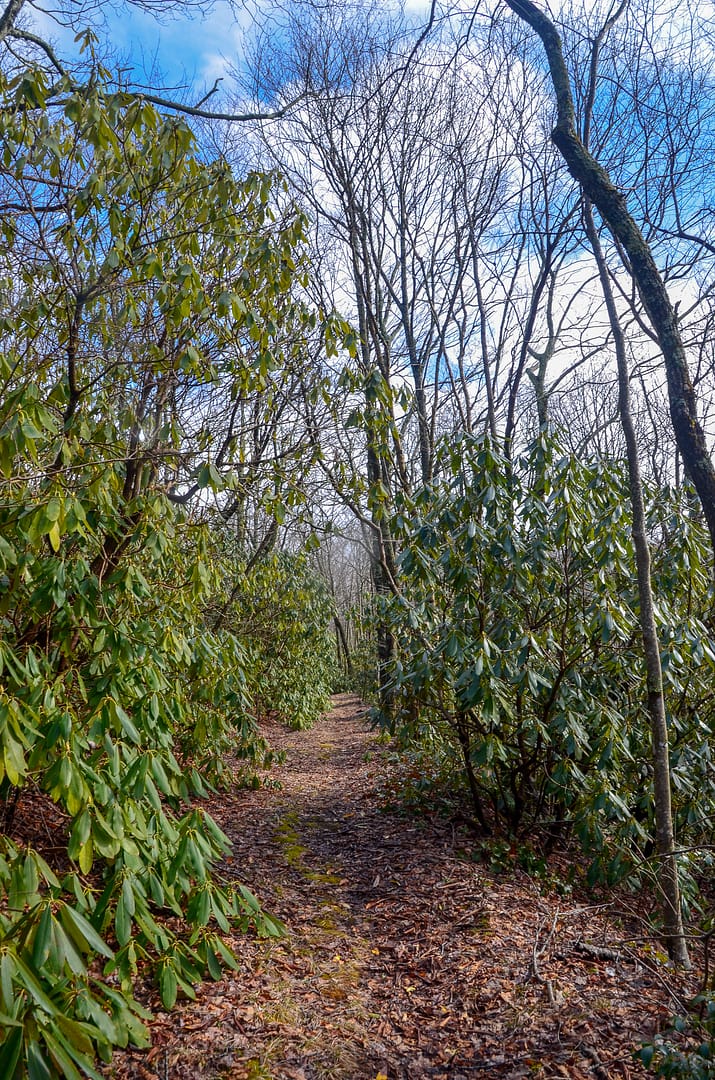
(517, 647)
(140, 641)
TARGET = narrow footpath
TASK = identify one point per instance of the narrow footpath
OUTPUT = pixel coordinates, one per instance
(407, 958)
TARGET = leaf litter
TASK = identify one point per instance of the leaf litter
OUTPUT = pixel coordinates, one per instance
(405, 958)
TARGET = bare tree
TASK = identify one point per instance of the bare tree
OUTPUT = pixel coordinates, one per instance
(596, 185)
(611, 204)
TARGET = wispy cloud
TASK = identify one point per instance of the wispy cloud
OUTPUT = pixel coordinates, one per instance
(189, 51)
(183, 50)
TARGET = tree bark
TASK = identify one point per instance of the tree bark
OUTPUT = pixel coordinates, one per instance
(343, 641)
(464, 742)
(611, 204)
(599, 190)
(9, 17)
(665, 840)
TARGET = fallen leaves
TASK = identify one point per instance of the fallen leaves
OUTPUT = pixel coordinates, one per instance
(406, 960)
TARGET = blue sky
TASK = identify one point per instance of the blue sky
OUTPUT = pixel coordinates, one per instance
(175, 51)
(192, 50)
(198, 49)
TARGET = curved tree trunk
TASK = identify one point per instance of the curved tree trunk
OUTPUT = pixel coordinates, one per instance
(611, 204)
(9, 17)
(597, 187)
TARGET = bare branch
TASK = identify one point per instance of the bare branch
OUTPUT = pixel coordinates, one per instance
(25, 35)
(611, 203)
(9, 16)
(207, 114)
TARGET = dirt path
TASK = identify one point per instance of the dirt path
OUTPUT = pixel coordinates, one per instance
(406, 958)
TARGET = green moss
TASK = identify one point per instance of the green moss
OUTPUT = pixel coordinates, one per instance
(326, 922)
(257, 1070)
(288, 840)
(323, 877)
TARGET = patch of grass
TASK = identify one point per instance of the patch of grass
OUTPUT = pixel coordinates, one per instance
(282, 1008)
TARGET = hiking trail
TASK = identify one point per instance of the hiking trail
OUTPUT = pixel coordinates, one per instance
(407, 958)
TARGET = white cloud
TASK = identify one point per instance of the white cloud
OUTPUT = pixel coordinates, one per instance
(190, 50)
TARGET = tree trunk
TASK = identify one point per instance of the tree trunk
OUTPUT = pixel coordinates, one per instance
(611, 204)
(665, 841)
(343, 642)
(465, 744)
(9, 17)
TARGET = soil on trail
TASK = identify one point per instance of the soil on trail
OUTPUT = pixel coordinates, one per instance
(405, 958)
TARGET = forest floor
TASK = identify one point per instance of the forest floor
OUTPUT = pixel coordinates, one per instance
(405, 957)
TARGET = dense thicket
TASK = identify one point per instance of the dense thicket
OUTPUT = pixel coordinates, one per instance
(491, 305)
(139, 283)
(519, 645)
